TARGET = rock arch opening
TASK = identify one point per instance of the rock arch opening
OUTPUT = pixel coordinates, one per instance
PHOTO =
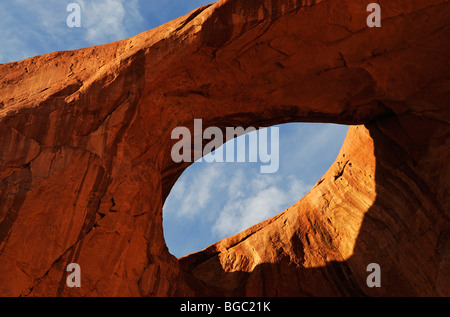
(213, 201)
(99, 137)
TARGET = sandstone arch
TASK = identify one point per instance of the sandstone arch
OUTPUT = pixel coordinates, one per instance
(85, 152)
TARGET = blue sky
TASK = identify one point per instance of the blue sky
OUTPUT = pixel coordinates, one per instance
(210, 201)
(34, 27)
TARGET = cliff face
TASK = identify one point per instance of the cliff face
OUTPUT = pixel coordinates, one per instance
(85, 159)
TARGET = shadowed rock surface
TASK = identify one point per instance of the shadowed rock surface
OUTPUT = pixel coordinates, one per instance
(85, 160)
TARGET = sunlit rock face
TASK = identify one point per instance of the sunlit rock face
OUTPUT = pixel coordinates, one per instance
(85, 147)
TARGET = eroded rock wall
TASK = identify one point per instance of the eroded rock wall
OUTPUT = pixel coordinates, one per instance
(85, 152)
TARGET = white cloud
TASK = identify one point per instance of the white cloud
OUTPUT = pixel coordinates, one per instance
(104, 20)
(297, 188)
(189, 199)
(37, 27)
(265, 197)
(235, 189)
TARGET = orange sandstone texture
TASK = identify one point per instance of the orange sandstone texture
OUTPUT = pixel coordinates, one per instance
(85, 146)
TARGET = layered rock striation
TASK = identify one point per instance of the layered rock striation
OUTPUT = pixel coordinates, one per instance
(85, 145)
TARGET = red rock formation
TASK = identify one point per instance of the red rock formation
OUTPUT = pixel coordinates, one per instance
(85, 152)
